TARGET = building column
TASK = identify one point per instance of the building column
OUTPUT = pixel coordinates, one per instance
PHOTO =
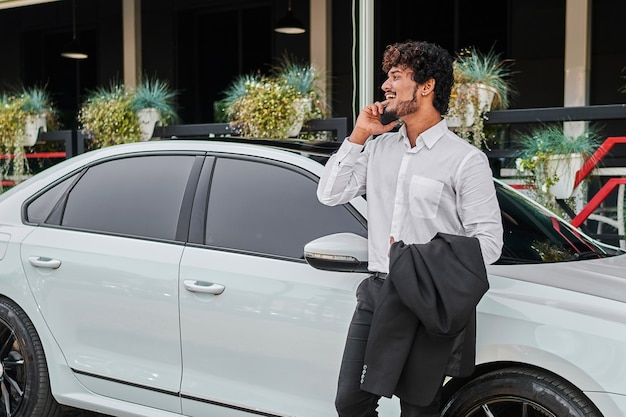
(366, 54)
(577, 58)
(577, 64)
(131, 11)
(321, 41)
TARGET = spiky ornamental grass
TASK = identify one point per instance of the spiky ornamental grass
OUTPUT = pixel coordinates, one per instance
(157, 94)
(539, 145)
(299, 76)
(471, 68)
(239, 88)
(551, 139)
(37, 101)
(303, 78)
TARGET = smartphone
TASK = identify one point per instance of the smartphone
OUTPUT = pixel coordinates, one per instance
(387, 118)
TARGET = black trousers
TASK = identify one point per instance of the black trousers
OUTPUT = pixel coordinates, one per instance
(351, 401)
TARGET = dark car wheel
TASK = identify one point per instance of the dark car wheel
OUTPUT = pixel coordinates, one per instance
(518, 392)
(24, 382)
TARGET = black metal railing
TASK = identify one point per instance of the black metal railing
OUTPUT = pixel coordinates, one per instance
(337, 127)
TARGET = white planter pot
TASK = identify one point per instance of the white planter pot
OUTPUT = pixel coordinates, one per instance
(32, 127)
(303, 106)
(565, 167)
(485, 95)
(148, 118)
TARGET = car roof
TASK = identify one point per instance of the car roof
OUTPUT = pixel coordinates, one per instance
(309, 155)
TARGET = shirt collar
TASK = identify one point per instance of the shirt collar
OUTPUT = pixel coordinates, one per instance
(430, 136)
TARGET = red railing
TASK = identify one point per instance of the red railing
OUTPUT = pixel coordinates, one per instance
(31, 155)
(606, 189)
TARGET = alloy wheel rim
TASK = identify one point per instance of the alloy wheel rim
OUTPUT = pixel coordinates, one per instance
(509, 406)
(13, 374)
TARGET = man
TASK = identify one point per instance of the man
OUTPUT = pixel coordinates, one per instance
(420, 180)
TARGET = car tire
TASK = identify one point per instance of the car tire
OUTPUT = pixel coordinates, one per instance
(24, 384)
(516, 392)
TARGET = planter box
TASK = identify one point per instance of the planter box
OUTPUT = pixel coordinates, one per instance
(148, 118)
(31, 129)
(465, 117)
(303, 107)
(565, 167)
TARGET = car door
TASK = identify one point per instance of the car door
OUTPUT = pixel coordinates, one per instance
(262, 331)
(103, 266)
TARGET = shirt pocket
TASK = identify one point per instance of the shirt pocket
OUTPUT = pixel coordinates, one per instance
(424, 197)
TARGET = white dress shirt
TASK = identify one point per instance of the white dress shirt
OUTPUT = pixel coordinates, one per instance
(443, 184)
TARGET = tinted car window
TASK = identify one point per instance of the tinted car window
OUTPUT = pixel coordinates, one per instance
(269, 209)
(40, 208)
(534, 235)
(139, 196)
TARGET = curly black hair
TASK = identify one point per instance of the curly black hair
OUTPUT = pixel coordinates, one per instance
(426, 60)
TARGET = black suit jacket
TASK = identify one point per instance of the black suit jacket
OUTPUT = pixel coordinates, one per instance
(424, 323)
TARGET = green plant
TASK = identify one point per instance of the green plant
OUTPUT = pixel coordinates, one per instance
(156, 94)
(266, 110)
(304, 79)
(107, 116)
(235, 91)
(478, 75)
(37, 101)
(539, 146)
(267, 106)
(12, 125)
(23, 111)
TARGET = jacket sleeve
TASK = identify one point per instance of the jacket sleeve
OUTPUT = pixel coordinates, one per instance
(344, 175)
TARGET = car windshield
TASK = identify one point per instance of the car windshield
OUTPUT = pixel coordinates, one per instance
(533, 234)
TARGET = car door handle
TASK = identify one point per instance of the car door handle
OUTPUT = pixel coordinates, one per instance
(41, 262)
(203, 287)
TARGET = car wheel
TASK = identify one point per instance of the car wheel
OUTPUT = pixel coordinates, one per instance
(24, 382)
(518, 392)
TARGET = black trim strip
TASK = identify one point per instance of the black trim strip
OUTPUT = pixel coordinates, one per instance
(178, 394)
(230, 406)
(182, 228)
(130, 384)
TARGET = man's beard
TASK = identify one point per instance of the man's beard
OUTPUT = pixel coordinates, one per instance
(404, 107)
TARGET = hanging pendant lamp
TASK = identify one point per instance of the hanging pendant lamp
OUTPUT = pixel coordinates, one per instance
(289, 24)
(73, 49)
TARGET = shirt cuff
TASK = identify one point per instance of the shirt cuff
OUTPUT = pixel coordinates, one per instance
(348, 149)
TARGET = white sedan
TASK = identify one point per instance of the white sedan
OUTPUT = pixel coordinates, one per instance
(168, 278)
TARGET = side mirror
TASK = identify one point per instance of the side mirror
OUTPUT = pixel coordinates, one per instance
(341, 252)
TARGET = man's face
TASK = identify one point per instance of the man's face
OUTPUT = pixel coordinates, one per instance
(401, 92)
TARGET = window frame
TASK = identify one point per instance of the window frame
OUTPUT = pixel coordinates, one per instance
(200, 212)
(182, 228)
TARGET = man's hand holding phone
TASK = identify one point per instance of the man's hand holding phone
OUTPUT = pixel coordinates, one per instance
(373, 120)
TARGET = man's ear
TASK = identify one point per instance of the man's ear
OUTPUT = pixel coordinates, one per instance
(427, 87)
